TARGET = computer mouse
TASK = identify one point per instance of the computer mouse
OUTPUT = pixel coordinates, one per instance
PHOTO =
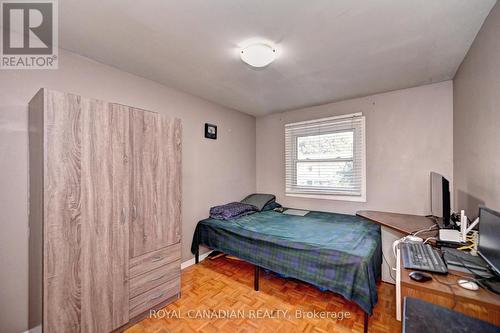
(469, 285)
(420, 277)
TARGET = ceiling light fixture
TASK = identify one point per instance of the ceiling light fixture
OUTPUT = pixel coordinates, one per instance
(258, 55)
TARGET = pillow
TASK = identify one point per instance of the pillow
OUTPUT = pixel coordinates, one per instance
(270, 206)
(232, 210)
(259, 200)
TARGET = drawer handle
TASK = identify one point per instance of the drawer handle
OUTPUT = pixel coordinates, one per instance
(157, 278)
(134, 213)
(123, 216)
(156, 297)
(155, 259)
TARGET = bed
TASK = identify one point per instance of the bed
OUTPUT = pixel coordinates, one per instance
(336, 252)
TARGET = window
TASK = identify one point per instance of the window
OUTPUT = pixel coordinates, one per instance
(325, 158)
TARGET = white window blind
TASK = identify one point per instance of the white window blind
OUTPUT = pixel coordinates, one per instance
(326, 158)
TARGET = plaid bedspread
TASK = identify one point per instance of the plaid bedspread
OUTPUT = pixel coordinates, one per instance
(341, 253)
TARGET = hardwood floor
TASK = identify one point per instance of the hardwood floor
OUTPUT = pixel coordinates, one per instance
(218, 296)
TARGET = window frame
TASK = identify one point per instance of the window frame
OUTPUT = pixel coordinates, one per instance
(359, 153)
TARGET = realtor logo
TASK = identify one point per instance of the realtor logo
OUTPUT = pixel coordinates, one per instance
(29, 35)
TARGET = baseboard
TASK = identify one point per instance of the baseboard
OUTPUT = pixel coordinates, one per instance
(191, 262)
(36, 329)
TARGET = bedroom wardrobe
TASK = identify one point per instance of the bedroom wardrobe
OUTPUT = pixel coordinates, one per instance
(104, 212)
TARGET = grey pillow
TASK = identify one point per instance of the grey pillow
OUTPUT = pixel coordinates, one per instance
(259, 200)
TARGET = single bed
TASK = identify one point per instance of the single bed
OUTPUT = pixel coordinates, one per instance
(337, 252)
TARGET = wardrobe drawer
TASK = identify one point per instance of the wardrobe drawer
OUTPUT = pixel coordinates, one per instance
(152, 260)
(151, 279)
(147, 300)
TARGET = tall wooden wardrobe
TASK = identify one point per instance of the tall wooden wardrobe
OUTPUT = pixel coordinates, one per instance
(105, 210)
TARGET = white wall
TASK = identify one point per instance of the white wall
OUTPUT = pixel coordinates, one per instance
(477, 121)
(409, 133)
(213, 172)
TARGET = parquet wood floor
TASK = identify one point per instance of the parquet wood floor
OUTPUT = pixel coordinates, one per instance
(215, 290)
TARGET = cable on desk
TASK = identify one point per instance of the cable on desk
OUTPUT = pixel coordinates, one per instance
(474, 274)
(414, 233)
(429, 238)
(472, 240)
(450, 286)
(464, 265)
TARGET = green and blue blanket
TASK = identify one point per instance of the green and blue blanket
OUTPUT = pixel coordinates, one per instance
(341, 253)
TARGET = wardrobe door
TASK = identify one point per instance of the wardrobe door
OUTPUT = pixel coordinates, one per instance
(62, 220)
(104, 215)
(156, 208)
(86, 197)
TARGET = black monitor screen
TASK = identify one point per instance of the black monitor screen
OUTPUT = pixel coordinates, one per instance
(489, 237)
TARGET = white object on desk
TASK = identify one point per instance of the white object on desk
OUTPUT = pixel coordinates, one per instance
(415, 239)
(455, 236)
(406, 239)
(465, 229)
(469, 285)
(398, 284)
(463, 226)
(450, 235)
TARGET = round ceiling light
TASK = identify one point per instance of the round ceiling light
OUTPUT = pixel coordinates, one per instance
(258, 55)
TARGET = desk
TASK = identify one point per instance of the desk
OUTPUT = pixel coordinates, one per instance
(396, 226)
(480, 304)
(403, 223)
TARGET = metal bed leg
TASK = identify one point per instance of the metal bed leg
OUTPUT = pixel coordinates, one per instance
(197, 256)
(256, 278)
(366, 323)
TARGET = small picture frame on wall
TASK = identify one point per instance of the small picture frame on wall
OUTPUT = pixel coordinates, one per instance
(210, 131)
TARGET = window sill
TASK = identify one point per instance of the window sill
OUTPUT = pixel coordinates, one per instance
(328, 197)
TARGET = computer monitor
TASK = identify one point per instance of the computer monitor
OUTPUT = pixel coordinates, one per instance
(440, 199)
(489, 238)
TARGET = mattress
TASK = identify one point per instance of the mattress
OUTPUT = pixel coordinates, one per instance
(338, 252)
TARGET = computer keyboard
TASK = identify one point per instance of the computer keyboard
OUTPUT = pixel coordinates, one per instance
(422, 257)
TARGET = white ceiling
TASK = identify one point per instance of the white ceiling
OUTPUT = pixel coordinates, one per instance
(329, 50)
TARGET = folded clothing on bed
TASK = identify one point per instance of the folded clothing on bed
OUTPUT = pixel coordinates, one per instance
(232, 210)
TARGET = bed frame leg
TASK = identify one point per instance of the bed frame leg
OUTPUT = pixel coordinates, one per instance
(366, 323)
(256, 278)
(197, 256)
